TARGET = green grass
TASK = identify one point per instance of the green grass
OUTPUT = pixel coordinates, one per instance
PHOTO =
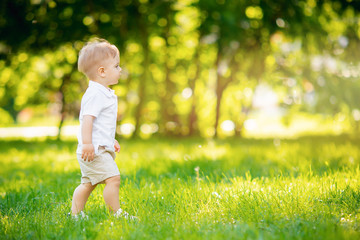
(189, 189)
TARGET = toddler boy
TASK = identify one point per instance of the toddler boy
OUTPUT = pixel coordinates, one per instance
(99, 61)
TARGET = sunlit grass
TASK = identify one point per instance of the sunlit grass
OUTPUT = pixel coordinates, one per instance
(194, 188)
(259, 124)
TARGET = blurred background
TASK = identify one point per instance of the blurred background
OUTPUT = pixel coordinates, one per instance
(209, 68)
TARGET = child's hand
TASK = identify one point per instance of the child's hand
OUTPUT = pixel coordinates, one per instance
(117, 146)
(88, 152)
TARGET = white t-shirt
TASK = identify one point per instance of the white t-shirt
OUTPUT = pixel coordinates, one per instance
(100, 102)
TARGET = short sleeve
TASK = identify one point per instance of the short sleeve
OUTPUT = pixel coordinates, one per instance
(92, 104)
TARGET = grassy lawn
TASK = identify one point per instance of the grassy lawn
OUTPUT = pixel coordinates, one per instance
(189, 189)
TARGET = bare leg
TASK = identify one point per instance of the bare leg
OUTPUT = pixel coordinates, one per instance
(81, 195)
(111, 193)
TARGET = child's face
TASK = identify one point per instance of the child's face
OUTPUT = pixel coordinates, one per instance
(112, 70)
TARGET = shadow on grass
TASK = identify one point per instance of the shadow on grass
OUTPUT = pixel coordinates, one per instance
(39, 146)
(40, 191)
(309, 159)
(216, 169)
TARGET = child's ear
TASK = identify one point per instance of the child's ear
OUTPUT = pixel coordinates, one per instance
(101, 71)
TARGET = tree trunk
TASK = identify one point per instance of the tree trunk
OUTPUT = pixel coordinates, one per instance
(63, 104)
(143, 78)
(193, 129)
(218, 92)
(168, 106)
(239, 123)
(10, 108)
(63, 111)
(141, 93)
(221, 85)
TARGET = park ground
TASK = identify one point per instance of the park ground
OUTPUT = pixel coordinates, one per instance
(274, 188)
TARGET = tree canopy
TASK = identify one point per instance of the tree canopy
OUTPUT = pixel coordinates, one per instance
(189, 65)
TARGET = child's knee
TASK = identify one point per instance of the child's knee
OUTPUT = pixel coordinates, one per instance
(113, 181)
(88, 186)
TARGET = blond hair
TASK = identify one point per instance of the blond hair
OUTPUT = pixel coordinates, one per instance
(92, 55)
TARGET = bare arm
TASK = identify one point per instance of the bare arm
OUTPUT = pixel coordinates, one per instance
(86, 133)
(116, 146)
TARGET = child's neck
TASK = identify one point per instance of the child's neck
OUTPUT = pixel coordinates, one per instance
(101, 82)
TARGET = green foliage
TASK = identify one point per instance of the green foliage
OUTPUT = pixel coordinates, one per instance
(5, 117)
(195, 188)
(188, 65)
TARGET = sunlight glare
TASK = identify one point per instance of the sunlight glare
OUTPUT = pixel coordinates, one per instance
(149, 128)
(264, 97)
(250, 124)
(127, 128)
(356, 114)
(228, 125)
(186, 93)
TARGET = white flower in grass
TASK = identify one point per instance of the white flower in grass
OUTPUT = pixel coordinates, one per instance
(216, 194)
(344, 220)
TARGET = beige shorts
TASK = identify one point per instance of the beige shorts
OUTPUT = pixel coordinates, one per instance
(102, 167)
